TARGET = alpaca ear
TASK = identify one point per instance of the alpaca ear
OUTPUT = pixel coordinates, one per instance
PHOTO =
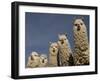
(65, 34)
(50, 42)
(82, 18)
(58, 35)
(74, 18)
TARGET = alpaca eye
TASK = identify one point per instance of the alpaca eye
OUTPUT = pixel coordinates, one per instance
(81, 23)
(75, 24)
(59, 40)
(56, 46)
(36, 55)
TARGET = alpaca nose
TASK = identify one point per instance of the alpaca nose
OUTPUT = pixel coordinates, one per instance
(62, 42)
(53, 50)
(43, 61)
(32, 58)
(78, 27)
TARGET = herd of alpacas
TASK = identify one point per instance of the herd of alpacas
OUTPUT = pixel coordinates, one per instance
(60, 53)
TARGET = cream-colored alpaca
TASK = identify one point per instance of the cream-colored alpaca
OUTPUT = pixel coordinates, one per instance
(33, 60)
(64, 50)
(43, 60)
(53, 51)
(81, 42)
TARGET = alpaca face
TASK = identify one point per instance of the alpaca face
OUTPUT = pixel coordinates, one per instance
(33, 60)
(43, 60)
(34, 56)
(81, 42)
(62, 40)
(80, 34)
(79, 26)
(53, 48)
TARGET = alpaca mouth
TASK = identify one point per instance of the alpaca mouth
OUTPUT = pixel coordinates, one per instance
(62, 42)
(53, 50)
(78, 28)
(32, 58)
(42, 61)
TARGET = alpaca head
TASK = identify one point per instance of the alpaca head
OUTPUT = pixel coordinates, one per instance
(53, 49)
(62, 40)
(43, 60)
(79, 26)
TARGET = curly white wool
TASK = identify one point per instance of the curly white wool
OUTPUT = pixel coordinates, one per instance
(64, 49)
(81, 42)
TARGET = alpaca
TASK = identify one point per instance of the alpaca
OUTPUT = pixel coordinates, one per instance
(65, 51)
(53, 51)
(33, 60)
(43, 60)
(81, 49)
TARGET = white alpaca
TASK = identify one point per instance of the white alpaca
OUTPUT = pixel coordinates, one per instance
(64, 50)
(53, 51)
(33, 60)
(81, 42)
(43, 60)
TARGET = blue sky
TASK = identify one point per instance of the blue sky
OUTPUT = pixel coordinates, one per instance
(42, 28)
